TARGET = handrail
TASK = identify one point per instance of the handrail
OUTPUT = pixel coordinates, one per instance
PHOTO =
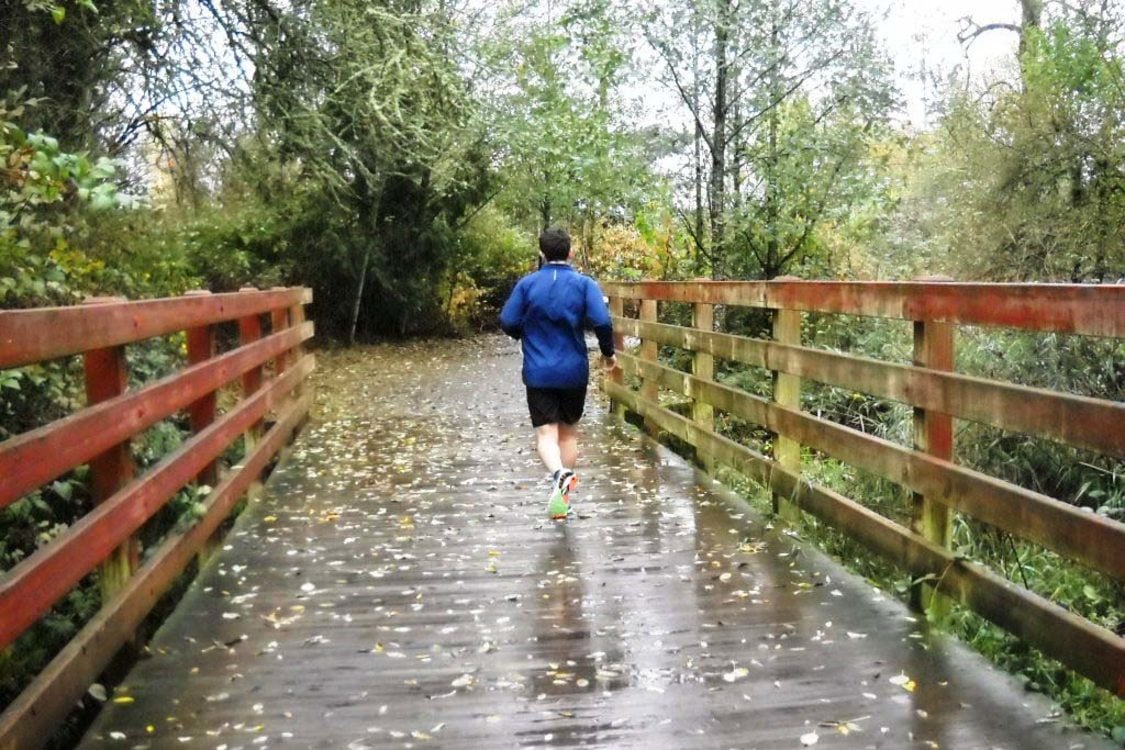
(1092, 310)
(1094, 424)
(100, 435)
(936, 393)
(34, 458)
(28, 336)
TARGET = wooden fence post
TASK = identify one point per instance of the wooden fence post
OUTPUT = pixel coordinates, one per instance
(703, 367)
(650, 390)
(249, 331)
(787, 392)
(297, 318)
(617, 311)
(107, 376)
(933, 434)
(201, 347)
(279, 321)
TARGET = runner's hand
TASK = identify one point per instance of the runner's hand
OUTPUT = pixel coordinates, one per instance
(610, 363)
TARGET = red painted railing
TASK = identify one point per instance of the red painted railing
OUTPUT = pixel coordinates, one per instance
(927, 468)
(269, 371)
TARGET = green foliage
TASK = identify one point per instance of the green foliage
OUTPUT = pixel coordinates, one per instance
(1029, 180)
(73, 60)
(491, 256)
(557, 104)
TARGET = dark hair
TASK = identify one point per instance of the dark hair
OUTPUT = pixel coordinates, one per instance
(554, 243)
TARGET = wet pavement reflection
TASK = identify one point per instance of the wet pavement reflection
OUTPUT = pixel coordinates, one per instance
(400, 586)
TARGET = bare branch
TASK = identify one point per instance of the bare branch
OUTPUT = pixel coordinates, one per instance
(970, 29)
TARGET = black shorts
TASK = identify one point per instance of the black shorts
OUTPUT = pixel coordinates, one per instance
(553, 405)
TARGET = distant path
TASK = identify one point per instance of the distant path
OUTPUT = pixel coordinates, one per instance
(400, 586)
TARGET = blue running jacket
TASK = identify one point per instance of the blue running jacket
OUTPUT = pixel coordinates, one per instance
(547, 312)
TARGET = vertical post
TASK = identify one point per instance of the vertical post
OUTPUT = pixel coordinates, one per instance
(297, 318)
(787, 392)
(650, 390)
(933, 434)
(201, 413)
(617, 311)
(279, 321)
(702, 367)
(249, 331)
(107, 376)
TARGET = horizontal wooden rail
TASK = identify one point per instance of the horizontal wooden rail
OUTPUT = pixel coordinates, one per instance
(1062, 308)
(1090, 423)
(926, 468)
(37, 582)
(34, 458)
(34, 715)
(1092, 540)
(23, 337)
(104, 541)
(1096, 652)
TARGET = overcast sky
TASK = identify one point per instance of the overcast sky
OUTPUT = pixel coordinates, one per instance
(919, 33)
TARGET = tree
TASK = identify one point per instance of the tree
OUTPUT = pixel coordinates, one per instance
(1037, 170)
(358, 100)
(765, 56)
(566, 150)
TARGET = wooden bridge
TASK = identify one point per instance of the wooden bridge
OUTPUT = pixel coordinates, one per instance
(396, 583)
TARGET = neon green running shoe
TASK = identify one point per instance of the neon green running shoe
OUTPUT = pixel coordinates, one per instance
(558, 505)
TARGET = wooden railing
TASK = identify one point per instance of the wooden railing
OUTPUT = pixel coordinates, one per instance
(105, 538)
(937, 395)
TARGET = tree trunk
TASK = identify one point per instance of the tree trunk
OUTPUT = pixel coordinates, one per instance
(1032, 16)
(700, 250)
(770, 267)
(545, 206)
(719, 140)
(359, 295)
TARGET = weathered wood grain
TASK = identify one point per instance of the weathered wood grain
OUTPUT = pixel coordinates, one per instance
(81, 328)
(399, 585)
(1094, 310)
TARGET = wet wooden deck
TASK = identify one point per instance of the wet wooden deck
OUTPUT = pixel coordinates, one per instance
(399, 586)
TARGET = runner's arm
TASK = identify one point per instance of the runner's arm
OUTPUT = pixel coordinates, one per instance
(597, 315)
(511, 317)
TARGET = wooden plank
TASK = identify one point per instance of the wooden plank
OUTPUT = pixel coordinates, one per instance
(201, 413)
(249, 331)
(649, 351)
(933, 435)
(1093, 651)
(43, 705)
(617, 311)
(1090, 539)
(1094, 310)
(786, 392)
(31, 587)
(614, 629)
(28, 336)
(1090, 423)
(107, 377)
(703, 367)
(34, 458)
(279, 321)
